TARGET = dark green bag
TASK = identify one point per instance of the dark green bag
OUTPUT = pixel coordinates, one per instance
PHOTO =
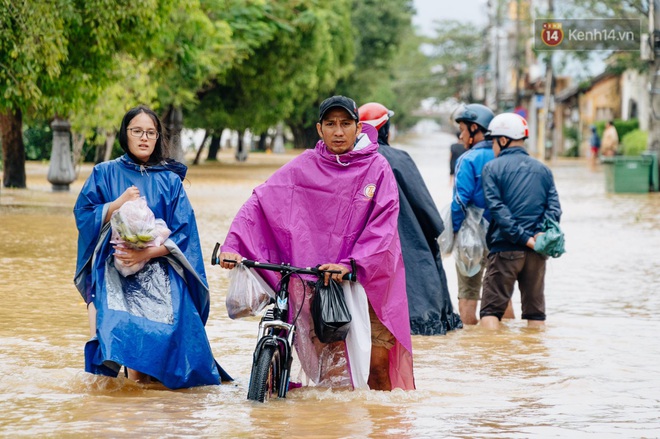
(551, 242)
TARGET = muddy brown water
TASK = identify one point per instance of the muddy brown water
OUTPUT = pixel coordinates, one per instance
(593, 372)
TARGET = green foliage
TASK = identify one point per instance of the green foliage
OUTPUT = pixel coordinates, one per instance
(456, 55)
(132, 86)
(191, 51)
(94, 32)
(374, 65)
(408, 82)
(286, 53)
(228, 63)
(32, 46)
(634, 142)
(379, 27)
(38, 140)
(626, 60)
(622, 126)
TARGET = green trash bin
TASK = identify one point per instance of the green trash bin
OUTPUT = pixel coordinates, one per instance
(628, 174)
(655, 171)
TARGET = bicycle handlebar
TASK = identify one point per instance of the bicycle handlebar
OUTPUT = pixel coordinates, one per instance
(352, 275)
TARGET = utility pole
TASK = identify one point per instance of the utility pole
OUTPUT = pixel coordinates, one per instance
(547, 122)
(496, 69)
(518, 55)
(654, 77)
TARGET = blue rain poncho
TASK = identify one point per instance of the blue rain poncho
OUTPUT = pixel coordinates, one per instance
(153, 321)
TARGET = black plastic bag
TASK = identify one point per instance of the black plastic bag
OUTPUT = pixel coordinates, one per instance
(331, 316)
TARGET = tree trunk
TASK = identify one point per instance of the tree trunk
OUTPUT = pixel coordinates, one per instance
(241, 153)
(304, 137)
(201, 148)
(99, 153)
(104, 150)
(110, 137)
(173, 121)
(77, 154)
(214, 147)
(13, 149)
(261, 146)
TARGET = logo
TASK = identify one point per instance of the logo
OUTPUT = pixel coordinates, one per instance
(369, 190)
(552, 34)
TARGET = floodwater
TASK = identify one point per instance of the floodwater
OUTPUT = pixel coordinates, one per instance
(593, 372)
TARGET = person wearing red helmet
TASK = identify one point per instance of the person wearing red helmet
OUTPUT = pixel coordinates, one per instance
(419, 225)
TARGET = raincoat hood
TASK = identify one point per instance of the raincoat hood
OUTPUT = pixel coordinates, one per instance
(167, 165)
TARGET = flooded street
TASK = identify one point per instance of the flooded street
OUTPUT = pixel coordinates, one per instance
(593, 372)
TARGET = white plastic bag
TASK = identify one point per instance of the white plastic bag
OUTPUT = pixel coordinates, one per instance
(134, 226)
(248, 293)
(470, 244)
(446, 238)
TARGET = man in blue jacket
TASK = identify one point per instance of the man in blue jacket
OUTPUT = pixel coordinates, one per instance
(520, 192)
(473, 120)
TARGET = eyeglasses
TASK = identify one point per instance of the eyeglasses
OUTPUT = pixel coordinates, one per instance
(137, 132)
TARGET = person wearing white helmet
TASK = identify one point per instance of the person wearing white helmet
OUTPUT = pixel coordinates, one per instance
(472, 120)
(520, 193)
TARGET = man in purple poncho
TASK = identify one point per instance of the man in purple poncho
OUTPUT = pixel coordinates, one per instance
(329, 205)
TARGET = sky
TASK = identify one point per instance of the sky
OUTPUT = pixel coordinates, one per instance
(473, 11)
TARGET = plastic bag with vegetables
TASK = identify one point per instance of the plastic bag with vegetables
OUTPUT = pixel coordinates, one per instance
(135, 226)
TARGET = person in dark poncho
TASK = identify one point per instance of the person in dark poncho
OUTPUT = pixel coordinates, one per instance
(456, 150)
(419, 224)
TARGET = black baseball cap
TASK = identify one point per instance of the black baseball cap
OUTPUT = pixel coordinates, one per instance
(347, 104)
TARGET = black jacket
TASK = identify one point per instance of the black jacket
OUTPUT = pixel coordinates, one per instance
(520, 192)
(419, 225)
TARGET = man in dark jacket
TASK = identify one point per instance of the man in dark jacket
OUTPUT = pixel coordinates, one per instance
(419, 226)
(520, 192)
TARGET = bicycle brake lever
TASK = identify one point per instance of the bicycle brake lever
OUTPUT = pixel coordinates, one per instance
(214, 256)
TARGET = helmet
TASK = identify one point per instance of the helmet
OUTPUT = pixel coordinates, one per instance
(375, 114)
(510, 125)
(475, 113)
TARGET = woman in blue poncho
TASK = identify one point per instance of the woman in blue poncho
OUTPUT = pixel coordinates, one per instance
(151, 322)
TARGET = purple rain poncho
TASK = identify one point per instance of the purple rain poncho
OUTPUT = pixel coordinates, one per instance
(323, 208)
(153, 321)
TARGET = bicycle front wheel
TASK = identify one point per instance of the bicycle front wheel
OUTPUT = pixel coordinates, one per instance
(266, 372)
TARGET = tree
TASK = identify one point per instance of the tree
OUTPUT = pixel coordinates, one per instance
(379, 28)
(195, 49)
(455, 53)
(100, 119)
(32, 38)
(286, 51)
(408, 83)
(55, 57)
(377, 31)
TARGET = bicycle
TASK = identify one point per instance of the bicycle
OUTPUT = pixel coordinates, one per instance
(273, 354)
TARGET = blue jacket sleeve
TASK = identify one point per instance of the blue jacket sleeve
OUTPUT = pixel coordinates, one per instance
(464, 188)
